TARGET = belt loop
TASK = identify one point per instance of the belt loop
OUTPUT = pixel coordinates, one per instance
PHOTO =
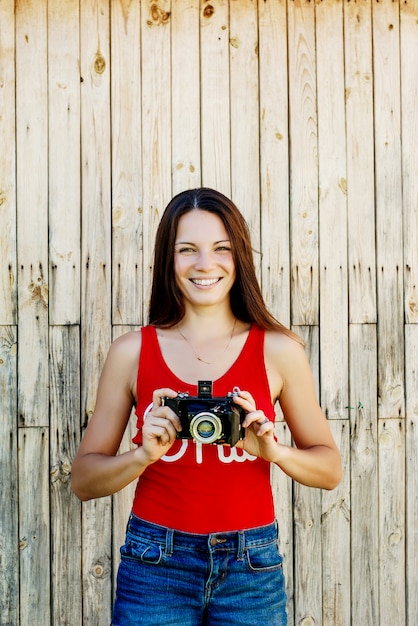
(169, 540)
(241, 545)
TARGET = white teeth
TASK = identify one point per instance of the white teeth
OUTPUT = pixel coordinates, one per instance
(205, 282)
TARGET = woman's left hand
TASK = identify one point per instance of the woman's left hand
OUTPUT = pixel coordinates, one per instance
(259, 438)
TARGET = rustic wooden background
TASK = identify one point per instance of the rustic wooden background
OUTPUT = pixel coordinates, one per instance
(305, 112)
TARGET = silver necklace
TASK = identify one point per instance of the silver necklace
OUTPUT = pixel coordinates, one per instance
(199, 358)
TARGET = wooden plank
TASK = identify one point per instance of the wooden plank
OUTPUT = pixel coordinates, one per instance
(96, 288)
(8, 271)
(126, 162)
(392, 521)
(332, 209)
(274, 158)
(282, 488)
(9, 555)
(185, 107)
(122, 501)
(32, 210)
(411, 469)
(388, 185)
(409, 163)
(65, 508)
(156, 128)
(364, 478)
(336, 609)
(303, 162)
(215, 96)
(360, 161)
(34, 526)
(244, 87)
(64, 161)
(307, 522)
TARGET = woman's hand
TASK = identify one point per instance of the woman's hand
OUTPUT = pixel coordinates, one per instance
(259, 430)
(160, 427)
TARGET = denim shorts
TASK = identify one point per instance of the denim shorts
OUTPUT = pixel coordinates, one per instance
(173, 578)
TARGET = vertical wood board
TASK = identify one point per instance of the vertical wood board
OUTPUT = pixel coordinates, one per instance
(185, 106)
(34, 528)
(303, 163)
(388, 185)
(96, 288)
(65, 508)
(64, 162)
(8, 270)
(332, 188)
(156, 128)
(32, 209)
(364, 475)
(411, 469)
(360, 161)
(215, 96)
(9, 553)
(274, 158)
(127, 183)
(409, 130)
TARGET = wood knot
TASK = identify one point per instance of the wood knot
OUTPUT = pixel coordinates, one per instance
(158, 15)
(99, 64)
(208, 11)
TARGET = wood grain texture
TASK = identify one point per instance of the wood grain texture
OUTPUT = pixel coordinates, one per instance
(96, 284)
(332, 184)
(388, 185)
(274, 158)
(9, 552)
(32, 209)
(185, 106)
(409, 129)
(358, 55)
(8, 268)
(64, 370)
(364, 474)
(64, 163)
(127, 189)
(215, 96)
(303, 128)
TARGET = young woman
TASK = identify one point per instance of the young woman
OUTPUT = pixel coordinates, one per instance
(202, 541)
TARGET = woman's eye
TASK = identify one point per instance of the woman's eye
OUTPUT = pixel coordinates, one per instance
(185, 250)
(223, 249)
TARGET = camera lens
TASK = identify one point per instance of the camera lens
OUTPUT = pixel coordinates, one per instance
(206, 427)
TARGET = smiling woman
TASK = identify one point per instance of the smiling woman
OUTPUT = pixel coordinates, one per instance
(210, 343)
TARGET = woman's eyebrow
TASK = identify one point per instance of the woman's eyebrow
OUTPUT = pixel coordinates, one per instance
(193, 244)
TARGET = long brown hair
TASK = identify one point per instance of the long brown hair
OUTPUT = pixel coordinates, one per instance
(166, 304)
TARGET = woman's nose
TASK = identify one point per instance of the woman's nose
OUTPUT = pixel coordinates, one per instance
(204, 260)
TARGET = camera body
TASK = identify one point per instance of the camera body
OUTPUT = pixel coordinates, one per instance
(207, 419)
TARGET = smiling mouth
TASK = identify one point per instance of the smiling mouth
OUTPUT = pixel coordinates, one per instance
(205, 282)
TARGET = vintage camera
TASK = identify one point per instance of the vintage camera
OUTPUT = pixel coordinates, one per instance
(207, 419)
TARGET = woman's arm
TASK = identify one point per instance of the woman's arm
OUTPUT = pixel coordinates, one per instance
(97, 469)
(315, 461)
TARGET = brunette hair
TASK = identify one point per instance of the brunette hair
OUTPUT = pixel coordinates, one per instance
(166, 304)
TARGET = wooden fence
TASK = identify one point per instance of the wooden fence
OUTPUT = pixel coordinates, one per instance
(305, 113)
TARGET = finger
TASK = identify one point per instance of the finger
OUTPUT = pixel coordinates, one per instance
(162, 429)
(159, 394)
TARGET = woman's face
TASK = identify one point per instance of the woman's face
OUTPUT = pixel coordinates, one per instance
(203, 264)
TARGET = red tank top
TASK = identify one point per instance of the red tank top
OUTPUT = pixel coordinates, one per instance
(203, 488)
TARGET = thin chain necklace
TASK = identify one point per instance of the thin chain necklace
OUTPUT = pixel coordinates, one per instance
(199, 358)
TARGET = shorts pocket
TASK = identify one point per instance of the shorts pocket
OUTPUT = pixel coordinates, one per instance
(143, 551)
(265, 558)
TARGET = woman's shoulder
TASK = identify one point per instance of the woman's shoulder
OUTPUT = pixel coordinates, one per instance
(283, 349)
(127, 346)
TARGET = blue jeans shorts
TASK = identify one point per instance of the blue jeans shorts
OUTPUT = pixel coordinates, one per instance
(173, 578)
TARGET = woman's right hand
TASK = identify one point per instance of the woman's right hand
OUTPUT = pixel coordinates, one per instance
(160, 427)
